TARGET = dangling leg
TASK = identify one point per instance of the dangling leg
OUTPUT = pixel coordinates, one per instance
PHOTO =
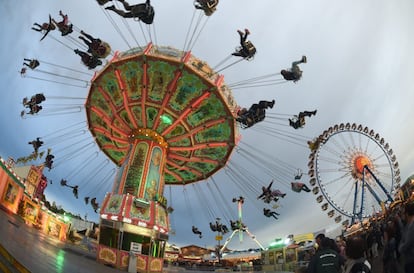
(126, 5)
(246, 33)
(81, 53)
(37, 25)
(65, 19)
(305, 188)
(88, 43)
(241, 36)
(121, 12)
(304, 59)
(266, 104)
(102, 2)
(296, 63)
(87, 35)
(198, 5)
(307, 114)
(237, 54)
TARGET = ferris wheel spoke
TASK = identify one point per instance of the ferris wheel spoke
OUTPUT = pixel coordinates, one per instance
(348, 196)
(379, 157)
(360, 142)
(351, 137)
(344, 141)
(328, 159)
(334, 180)
(380, 172)
(341, 189)
(382, 165)
(339, 146)
(367, 147)
(331, 150)
(324, 171)
(377, 150)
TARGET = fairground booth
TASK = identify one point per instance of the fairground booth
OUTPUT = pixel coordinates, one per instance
(11, 188)
(20, 192)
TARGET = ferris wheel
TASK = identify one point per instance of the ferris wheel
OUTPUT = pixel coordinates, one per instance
(353, 171)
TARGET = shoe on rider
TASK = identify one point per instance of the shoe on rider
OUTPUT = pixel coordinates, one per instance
(304, 59)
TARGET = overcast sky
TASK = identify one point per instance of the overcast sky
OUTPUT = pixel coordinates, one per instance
(359, 70)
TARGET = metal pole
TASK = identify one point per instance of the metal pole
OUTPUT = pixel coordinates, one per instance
(219, 241)
(379, 183)
(355, 202)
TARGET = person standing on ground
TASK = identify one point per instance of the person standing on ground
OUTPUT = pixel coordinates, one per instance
(406, 246)
(389, 256)
(356, 261)
(325, 260)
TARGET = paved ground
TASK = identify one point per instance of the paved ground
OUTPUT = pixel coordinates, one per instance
(377, 266)
(40, 253)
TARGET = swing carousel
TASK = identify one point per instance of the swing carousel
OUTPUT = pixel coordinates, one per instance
(165, 118)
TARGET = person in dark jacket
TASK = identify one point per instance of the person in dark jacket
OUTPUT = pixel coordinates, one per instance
(406, 246)
(325, 260)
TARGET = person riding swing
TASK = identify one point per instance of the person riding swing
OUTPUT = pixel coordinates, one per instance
(144, 12)
(246, 49)
(294, 73)
(90, 61)
(298, 121)
(255, 114)
(64, 27)
(96, 46)
(208, 6)
(31, 63)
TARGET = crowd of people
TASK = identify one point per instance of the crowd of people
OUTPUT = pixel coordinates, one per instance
(389, 239)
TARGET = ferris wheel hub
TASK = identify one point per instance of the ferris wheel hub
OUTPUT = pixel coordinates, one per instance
(360, 161)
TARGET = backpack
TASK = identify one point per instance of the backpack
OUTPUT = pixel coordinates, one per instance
(360, 268)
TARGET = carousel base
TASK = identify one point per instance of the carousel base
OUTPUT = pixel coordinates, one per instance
(132, 230)
(124, 260)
